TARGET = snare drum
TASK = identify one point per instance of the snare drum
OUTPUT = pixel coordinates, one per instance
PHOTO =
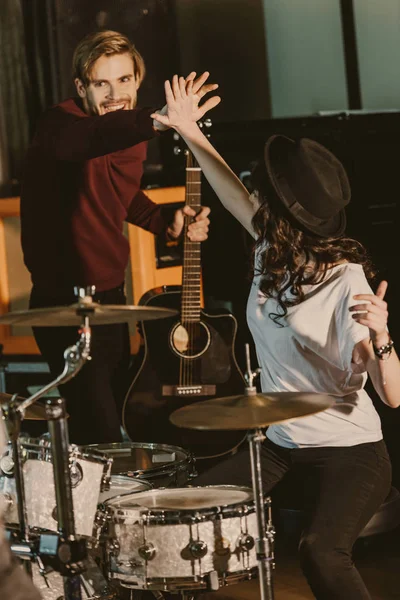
(187, 538)
(90, 473)
(160, 464)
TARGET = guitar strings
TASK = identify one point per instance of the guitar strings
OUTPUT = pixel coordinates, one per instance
(191, 275)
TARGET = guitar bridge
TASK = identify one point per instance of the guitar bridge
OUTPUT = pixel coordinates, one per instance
(185, 391)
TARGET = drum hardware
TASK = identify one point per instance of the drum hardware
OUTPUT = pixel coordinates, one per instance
(253, 411)
(66, 551)
(198, 548)
(181, 539)
(69, 551)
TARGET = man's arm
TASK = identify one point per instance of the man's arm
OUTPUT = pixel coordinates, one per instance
(145, 213)
(148, 215)
(74, 136)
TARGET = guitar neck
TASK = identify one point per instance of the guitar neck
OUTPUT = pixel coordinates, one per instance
(191, 271)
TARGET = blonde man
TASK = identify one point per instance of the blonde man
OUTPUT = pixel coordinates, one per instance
(82, 181)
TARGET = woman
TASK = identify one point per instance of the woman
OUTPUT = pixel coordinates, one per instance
(317, 327)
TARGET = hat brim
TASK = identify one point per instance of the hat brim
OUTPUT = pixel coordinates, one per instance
(333, 227)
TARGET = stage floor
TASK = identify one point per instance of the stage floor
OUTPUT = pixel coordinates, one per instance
(378, 560)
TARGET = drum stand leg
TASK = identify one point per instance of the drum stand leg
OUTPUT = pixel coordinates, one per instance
(13, 421)
(264, 542)
(71, 552)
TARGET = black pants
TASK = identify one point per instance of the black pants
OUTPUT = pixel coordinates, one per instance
(341, 487)
(94, 397)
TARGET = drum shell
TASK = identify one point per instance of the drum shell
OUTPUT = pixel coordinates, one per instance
(93, 469)
(171, 533)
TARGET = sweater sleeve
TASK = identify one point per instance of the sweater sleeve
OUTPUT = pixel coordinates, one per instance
(146, 214)
(69, 134)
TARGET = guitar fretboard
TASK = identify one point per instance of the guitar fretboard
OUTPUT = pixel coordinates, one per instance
(191, 273)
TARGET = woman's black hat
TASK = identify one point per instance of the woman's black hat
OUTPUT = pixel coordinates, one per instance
(310, 181)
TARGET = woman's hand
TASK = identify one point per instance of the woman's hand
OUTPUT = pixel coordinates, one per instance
(374, 314)
(183, 97)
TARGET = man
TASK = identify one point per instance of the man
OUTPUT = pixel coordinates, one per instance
(81, 182)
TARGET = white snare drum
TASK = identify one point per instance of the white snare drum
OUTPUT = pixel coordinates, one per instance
(186, 538)
(90, 472)
(161, 464)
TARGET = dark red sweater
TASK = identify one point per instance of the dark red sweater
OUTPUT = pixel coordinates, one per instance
(81, 182)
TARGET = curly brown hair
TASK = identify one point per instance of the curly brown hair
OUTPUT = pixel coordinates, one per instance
(289, 256)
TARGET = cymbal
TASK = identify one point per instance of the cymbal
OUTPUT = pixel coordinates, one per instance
(36, 412)
(250, 412)
(72, 315)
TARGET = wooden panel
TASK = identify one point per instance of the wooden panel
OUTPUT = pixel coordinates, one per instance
(144, 273)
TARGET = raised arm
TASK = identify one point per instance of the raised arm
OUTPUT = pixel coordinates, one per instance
(69, 134)
(181, 102)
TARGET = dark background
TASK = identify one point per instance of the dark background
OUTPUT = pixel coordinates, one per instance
(38, 37)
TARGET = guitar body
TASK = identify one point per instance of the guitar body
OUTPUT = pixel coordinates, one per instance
(181, 365)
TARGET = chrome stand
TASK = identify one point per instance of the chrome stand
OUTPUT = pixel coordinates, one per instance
(265, 532)
(69, 551)
(264, 542)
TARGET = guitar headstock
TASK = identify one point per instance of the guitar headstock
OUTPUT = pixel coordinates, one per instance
(179, 146)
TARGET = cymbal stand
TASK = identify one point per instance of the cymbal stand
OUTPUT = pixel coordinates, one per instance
(13, 422)
(69, 551)
(264, 541)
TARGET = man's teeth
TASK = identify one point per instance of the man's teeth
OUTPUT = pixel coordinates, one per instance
(114, 107)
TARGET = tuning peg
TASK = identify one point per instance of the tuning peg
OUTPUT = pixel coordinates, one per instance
(177, 150)
(84, 292)
(207, 122)
(176, 136)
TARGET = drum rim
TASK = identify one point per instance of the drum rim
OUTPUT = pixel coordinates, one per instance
(30, 446)
(186, 515)
(151, 471)
(147, 484)
(183, 583)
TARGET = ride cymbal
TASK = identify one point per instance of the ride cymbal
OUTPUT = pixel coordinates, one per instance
(250, 412)
(72, 315)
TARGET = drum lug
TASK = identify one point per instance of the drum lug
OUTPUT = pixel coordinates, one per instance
(147, 551)
(245, 542)
(198, 548)
(76, 473)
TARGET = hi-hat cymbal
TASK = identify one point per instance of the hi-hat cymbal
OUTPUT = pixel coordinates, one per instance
(36, 412)
(99, 314)
(250, 412)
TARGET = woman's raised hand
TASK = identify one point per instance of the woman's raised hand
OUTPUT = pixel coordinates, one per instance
(183, 97)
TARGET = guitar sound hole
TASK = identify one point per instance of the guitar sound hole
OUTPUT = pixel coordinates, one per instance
(190, 340)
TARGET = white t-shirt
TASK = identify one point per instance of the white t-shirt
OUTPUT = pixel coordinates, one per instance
(312, 352)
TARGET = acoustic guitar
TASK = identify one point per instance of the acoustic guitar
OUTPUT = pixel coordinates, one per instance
(183, 359)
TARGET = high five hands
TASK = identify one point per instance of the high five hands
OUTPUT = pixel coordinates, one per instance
(183, 97)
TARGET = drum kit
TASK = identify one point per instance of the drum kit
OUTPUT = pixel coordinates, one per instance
(107, 521)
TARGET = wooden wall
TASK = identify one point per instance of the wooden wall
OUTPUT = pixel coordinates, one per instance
(142, 273)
